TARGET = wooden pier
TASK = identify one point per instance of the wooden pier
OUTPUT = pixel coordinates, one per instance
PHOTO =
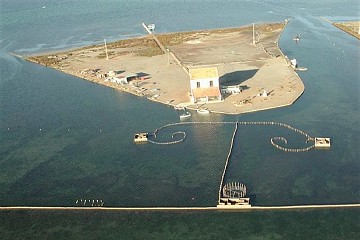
(165, 50)
(155, 38)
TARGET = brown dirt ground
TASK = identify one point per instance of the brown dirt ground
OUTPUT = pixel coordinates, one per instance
(256, 68)
(353, 28)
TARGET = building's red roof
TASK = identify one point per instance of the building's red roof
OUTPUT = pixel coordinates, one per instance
(206, 92)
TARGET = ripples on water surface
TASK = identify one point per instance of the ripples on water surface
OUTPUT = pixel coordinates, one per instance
(85, 148)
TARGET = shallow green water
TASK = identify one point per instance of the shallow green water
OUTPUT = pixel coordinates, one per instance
(313, 224)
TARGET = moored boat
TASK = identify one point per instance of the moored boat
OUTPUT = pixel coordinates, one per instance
(203, 111)
(178, 107)
(151, 27)
(185, 115)
(297, 38)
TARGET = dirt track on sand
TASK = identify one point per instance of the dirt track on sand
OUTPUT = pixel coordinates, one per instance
(255, 68)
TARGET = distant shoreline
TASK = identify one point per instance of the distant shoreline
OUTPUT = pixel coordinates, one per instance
(346, 27)
(350, 27)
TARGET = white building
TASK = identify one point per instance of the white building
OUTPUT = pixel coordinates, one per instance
(234, 89)
(122, 79)
(204, 85)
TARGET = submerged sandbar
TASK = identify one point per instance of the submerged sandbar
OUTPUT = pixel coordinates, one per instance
(163, 76)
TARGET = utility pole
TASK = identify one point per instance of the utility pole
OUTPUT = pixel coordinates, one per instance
(168, 56)
(254, 34)
(106, 52)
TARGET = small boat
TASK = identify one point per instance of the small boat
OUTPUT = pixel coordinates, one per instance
(178, 107)
(297, 38)
(185, 115)
(301, 69)
(151, 27)
(203, 111)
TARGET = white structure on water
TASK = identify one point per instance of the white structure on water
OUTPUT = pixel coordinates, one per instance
(322, 142)
(151, 27)
(234, 196)
(204, 85)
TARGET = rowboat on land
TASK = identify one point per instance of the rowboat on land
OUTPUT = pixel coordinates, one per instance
(178, 107)
(203, 111)
(185, 115)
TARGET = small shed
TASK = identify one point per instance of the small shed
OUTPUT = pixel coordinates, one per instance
(123, 78)
(234, 89)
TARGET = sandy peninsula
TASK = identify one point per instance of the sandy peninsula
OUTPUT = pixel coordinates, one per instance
(163, 75)
(351, 27)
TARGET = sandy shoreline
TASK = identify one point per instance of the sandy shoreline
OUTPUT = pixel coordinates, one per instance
(352, 28)
(255, 68)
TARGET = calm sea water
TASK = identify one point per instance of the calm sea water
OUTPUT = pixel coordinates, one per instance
(63, 138)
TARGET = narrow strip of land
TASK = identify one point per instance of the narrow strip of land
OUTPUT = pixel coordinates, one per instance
(227, 160)
(350, 27)
(230, 208)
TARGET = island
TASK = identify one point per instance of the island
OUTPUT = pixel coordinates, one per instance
(230, 70)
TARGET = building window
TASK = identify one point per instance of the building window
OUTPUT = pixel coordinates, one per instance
(198, 84)
(211, 83)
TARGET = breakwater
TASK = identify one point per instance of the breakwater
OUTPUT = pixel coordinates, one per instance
(253, 208)
(227, 160)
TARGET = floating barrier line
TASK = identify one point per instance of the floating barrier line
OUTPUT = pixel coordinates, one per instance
(172, 136)
(272, 140)
(227, 160)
